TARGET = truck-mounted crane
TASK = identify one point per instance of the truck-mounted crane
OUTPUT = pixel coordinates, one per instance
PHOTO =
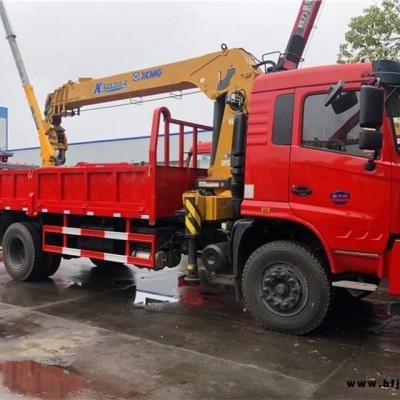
(301, 198)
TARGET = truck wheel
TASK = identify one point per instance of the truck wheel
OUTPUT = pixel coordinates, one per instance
(51, 263)
(22, 251)
(105, 263)
(286, 288)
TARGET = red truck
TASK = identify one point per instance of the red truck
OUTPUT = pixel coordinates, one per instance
(303, 202)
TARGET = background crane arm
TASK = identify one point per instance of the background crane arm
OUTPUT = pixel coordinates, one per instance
(52, 145)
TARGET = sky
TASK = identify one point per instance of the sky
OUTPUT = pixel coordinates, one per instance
(62, 41)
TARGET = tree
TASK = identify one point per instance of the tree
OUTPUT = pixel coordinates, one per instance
(375, 34)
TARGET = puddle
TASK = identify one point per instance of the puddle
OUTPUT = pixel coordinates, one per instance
(159, 287)
(353, 317)
(96, 279)
(146, 298)
(29, 378)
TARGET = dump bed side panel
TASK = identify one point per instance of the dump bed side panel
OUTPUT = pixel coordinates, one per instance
(16, 190)
(116, 190)
(94, 190)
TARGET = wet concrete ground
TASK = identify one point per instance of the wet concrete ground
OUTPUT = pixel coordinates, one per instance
(93, 333)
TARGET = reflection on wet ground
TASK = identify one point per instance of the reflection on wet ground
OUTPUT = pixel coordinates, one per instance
(29, 378)
(144, 288)
(122, 312)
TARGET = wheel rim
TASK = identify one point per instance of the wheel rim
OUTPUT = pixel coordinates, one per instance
(284, 290)
(16, 253)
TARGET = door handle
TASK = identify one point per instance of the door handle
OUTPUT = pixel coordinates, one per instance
(301, 190)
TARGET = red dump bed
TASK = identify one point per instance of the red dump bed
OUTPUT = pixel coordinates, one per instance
(150, 191)
(119, 190)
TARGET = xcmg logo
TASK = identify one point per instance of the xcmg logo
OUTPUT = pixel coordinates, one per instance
(150, 74)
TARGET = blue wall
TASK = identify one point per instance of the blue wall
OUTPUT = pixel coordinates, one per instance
(4, 128)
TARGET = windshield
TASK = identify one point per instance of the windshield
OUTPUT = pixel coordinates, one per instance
(203, 160)
(393, 110)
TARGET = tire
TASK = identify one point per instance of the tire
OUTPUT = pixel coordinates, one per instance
(286, 288)
(105, 263)
(49, 265)
(22, 251)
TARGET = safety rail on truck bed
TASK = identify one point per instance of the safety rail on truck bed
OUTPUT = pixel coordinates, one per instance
(168, 121)
(156, 176)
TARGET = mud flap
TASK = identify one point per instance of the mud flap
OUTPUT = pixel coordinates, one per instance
(239, 229)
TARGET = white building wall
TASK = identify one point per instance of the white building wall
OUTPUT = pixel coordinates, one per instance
(117, 150)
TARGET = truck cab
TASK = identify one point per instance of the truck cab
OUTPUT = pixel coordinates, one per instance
(309, 179)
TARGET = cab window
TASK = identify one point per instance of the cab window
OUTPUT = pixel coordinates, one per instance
(329, 129)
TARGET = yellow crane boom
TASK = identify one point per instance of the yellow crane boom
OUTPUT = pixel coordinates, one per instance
(225, 76)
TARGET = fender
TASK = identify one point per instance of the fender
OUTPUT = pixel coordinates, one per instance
(254, 209)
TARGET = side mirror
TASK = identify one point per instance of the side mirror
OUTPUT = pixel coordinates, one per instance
(340, 102)
(372, 103)
(333, 92)
(344, 102)
(371, 107)
(371, 140)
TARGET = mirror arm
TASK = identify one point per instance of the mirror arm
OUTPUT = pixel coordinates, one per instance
(370, 164)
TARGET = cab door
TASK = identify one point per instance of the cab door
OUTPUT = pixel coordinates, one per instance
(330, 187)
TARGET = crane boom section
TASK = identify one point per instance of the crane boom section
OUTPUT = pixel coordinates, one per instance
(215, 74)
(300, 35)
